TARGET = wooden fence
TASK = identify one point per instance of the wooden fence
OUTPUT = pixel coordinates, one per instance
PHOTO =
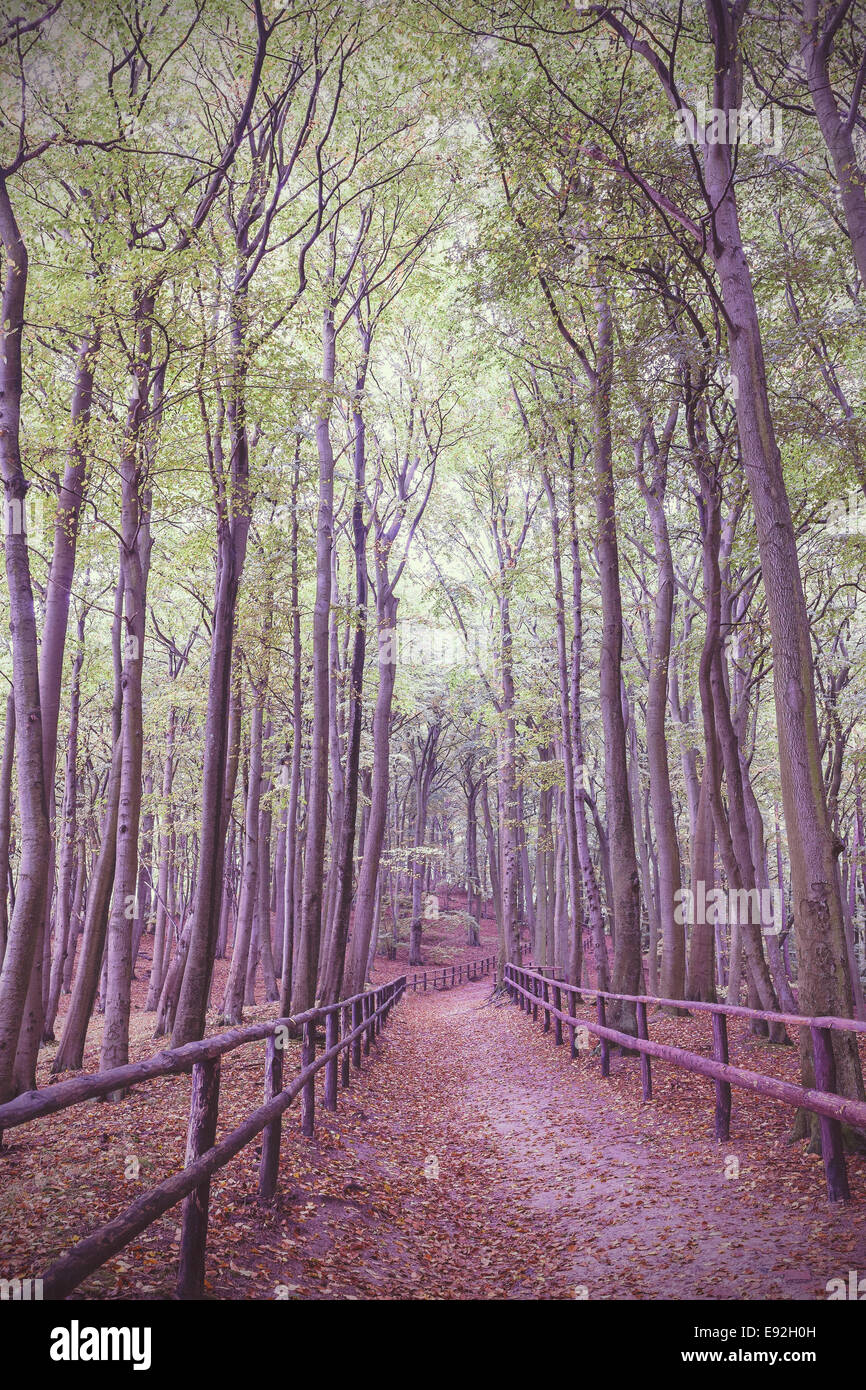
(450, 975)
(350, 1027)
(533, 991)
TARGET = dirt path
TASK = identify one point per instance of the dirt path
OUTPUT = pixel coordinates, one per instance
(470, 1159)
(495, 1167)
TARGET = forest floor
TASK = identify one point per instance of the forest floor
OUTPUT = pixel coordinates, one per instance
(471, 1158)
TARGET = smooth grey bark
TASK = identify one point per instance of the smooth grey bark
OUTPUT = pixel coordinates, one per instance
(143, 420)
(70, 1054)
(28, 915)
(673, 962)
(425, 756)
(333, 965)
(591, 894)
(68, 852)
(6, 768)
(233, 1003)
(574, 965)
(293, 857)
(627, 965)
(307, 963)
(265, 956)
(386, 532)
(157, 969)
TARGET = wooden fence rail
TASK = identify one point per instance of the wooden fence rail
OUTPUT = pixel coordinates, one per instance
(349, 1025)
(447, 976)
(533, 991)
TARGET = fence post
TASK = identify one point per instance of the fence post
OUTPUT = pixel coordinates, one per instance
(534, 1001)
(357, 1009)
(545, 994)
(308, 1094)
(345, 1030)
(572, 1027)
(366, 1016)
(831, 1130)
(269, 1163)
(605, 1045)
(425, 981)
(645, 1072)
(331, 1039)
(723, 1089)
(203, 1110)
(557, 1021)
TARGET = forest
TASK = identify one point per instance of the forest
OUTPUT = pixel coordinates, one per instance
(433, 442)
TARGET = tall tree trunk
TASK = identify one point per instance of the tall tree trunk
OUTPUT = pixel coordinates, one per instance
(333, 967)
(157, 969)
(264, 880)
(234, 507)
(824, 979)
(591, 894)
(232, 1010)
(70, 837)
(506, 742)
(135, 564)
(386, 612)
(673, 965)
(6, 769)
(24, 939)
(307, 967)
(575, 954)
(292, 854)
(70, 1054)
(701, 972)
(627, 969)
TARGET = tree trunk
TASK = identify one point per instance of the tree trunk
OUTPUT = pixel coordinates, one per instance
(333, 967)
(307, 967)
(233, 1004)
(386, 607)
(627, 968)
(6, 769)
(28, 915)
(70, 837)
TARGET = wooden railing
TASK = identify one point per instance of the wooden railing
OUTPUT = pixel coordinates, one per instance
(350, 1027)
(447, 976)
(534, 991)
